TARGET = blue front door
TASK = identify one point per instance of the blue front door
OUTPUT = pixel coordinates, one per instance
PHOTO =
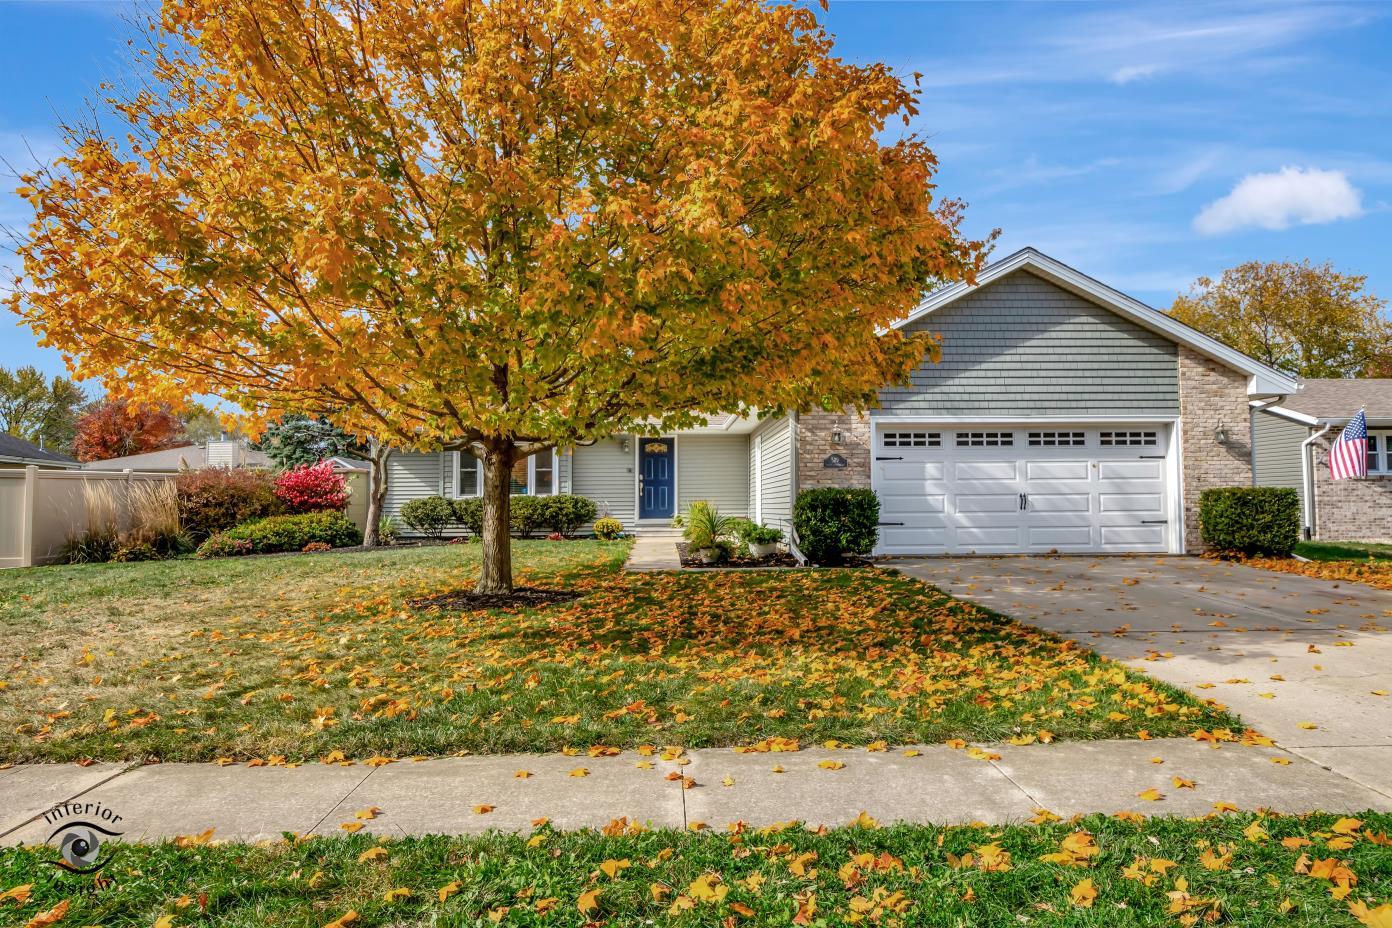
(657, 478)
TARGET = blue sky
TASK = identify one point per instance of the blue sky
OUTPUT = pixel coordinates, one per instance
(1145, 144)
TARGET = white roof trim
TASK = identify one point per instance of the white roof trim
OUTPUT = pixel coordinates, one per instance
(1290, 414)
(1265, 381)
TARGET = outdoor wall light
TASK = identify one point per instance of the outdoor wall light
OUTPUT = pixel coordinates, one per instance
(623, 443)
(1220, 434)
(836, 437)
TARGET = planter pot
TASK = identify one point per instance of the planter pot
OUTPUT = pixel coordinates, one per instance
(763, 550)
(709, 555)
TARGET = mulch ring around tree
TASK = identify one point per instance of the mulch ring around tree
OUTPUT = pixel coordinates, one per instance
(779, 559)
(522, 597)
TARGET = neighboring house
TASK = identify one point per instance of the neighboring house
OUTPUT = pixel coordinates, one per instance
(1064, 416)
(223, 452)
(1291, 442)
(16, 452)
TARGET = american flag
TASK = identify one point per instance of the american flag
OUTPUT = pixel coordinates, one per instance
(1349, 456)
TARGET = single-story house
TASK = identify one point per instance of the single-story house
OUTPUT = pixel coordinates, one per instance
(216, 452)
(1291, 441)
(16, 453)
(1064, 416)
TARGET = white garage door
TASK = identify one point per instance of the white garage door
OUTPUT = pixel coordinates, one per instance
(998, 489)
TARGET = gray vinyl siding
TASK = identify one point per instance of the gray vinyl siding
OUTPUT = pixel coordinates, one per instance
(1023, 346)
(714, 468)
(414, 475)
(604, 472)
(777, 488)
(1276, 452)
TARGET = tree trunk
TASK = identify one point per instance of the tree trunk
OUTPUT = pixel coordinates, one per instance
(496, 574)
(377, 492)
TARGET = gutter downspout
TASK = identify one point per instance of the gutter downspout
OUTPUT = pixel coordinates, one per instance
(1307, 480)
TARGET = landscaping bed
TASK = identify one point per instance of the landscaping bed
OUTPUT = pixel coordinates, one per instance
(1226, 869)
(306, 658)
(735, 560)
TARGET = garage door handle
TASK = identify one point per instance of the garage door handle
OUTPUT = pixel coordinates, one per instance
(888, 459)
(1152, 457)
(1155, 521)
(891, 523)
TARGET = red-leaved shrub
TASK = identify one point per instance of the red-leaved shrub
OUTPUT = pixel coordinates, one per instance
(312, 488)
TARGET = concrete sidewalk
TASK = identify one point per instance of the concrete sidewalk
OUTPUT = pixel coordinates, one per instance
(1301, 660)
(654, 549)
(449, 796)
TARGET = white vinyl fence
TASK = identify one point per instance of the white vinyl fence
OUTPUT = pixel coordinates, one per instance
(41, 509)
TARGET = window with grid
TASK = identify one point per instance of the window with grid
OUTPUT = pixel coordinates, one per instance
(912, 439)
(1057, 439)
(1138, 439)
(985, 439)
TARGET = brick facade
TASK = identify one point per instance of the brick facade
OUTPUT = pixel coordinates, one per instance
(1211, 395)
(1350, 510)
(815, 434)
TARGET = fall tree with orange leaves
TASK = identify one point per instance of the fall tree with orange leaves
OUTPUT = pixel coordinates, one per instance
(492, 227)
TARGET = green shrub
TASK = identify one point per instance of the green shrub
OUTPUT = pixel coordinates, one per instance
(284, 533)
(386, 530)
(607, 528)
(217, 498)
(469, 512)
(526, 515)
(706, 527)
(137, 551)
(756, 534)
(430, 515)
(564, 512)
(833, 522)
(1250, 520)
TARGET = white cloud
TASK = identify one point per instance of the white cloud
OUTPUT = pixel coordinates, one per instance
(1133, 72)
(1290, 196)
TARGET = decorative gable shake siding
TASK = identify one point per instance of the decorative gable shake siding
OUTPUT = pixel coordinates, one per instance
(1023, 346)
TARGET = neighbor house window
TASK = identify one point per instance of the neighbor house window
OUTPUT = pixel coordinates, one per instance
(1380, 452)
(534, 475)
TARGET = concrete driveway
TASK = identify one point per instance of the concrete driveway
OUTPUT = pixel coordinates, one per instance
(1300, 660)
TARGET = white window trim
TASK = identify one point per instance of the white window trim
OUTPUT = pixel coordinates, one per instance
(1384, 468)
(531, 475)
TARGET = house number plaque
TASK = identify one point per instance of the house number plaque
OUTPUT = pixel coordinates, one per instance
(834, 462)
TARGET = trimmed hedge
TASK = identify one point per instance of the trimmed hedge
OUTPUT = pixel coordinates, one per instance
(429, 515)
(833, 522)
(283, 533)
(1250, 520)
(563, 513)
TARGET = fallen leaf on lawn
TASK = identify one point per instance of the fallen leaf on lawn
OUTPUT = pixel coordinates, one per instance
(344, 920)
(19, 894)
(392, 895)
(1082, 894)
(449, 889)
(372, 853)
(588, 901)
(611, 868)
(50, 917)
(1381, 917)
(164, 921)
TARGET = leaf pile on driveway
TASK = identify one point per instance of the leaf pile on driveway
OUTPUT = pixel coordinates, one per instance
(1373, 573)
(1227, 869)
(857, 656)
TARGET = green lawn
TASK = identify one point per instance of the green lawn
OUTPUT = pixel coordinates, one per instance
(1343, 551)
(301, 656)
(1319, 870)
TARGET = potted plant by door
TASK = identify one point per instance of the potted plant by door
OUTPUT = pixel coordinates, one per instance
(704, 533)
(761, 540)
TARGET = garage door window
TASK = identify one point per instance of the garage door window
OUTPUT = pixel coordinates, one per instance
(1057, 439)
(1138, 439)
(912, 439)
(985, 439)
